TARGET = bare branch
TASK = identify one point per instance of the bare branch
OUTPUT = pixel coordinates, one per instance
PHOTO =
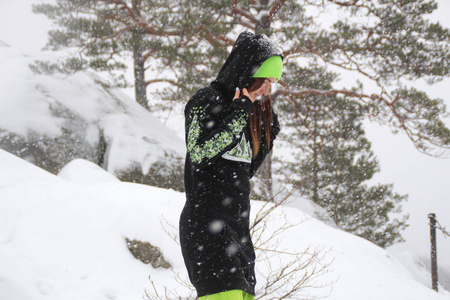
(276, 6)
(158, 80)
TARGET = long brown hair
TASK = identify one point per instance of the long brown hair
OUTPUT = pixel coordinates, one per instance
(260, 117)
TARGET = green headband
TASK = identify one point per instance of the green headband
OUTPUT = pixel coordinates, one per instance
(272, 67)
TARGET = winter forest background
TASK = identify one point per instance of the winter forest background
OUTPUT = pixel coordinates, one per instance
(356, 71)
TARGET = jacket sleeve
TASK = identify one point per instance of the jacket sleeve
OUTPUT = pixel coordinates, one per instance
(264, 150)
(207, 135)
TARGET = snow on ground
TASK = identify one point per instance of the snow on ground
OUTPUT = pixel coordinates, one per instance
(63, 237)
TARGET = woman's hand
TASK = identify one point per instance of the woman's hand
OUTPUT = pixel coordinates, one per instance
(244, 93)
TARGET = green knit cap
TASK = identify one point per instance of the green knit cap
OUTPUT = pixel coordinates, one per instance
(272, 67)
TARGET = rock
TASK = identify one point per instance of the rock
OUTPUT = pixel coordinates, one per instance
(147, 253)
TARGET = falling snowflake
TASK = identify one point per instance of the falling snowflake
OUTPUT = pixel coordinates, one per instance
(216, 226)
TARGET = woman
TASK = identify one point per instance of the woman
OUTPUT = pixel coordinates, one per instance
(229, 131)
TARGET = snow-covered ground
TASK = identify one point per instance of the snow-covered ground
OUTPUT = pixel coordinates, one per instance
(63, 237)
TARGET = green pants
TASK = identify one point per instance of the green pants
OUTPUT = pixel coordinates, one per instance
(229, 295)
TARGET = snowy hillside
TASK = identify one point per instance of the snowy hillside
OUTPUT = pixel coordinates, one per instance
(64, 237)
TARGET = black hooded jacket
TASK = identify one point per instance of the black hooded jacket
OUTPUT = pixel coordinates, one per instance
(214, 225)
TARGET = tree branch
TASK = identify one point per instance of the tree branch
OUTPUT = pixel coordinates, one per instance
(148, 82)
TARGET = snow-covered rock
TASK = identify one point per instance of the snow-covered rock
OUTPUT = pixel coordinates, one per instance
(52, 120)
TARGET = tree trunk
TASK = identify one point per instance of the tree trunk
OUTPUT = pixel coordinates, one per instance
(315, 157)
(265, 174)
(139, 71)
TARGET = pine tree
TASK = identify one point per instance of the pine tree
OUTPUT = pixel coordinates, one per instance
(333, 160)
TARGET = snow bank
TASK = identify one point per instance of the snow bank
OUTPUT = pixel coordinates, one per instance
(66, 240)
(85, 172)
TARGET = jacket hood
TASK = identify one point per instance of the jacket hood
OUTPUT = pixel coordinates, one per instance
(248, 54)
